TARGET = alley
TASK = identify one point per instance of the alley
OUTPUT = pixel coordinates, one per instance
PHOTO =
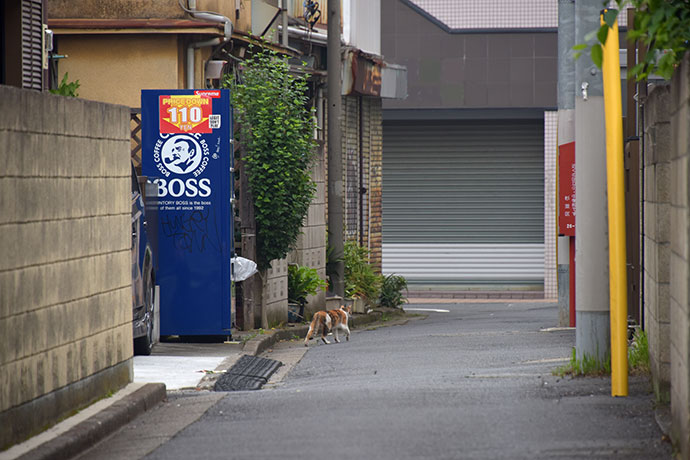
(469, 380)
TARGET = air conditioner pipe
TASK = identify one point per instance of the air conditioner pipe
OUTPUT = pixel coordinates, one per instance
(316, 37)
(207, 16)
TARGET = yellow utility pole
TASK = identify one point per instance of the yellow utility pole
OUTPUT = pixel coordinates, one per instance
(616, 210)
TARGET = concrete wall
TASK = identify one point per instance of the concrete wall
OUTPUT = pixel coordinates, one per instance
(679, 104)
(65, 270)
(657, 235)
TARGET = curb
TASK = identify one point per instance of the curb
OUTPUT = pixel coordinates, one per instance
(263, 342)
(662, 415)
(92, 430)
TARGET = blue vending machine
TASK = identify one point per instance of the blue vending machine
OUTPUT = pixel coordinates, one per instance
(187, 153)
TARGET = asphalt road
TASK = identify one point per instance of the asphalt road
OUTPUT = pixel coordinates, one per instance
(471, 383)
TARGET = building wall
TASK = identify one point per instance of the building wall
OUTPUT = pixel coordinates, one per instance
(114, 9)
(467, 70)
(550, 204)
(679, 169)
(363, 135)
(115, 68)
(362, 24)
(311, 244)
(65, 274)
(376, 182)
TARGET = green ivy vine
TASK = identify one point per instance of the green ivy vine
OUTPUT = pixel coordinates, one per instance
(661, 25)
(276, 129)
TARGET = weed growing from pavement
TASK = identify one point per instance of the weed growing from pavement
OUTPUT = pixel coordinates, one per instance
(248, 337)
(638, 353)
(588, 366)
(638, 361)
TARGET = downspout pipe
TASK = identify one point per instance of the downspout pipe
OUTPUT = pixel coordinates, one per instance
(206, 16)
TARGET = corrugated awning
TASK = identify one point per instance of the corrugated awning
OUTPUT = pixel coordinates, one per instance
(369, 75)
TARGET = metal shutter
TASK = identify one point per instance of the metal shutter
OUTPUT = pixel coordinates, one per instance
(32, 44)
(463, 201)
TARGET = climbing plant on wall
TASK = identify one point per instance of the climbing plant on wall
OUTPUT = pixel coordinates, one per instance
(276, 129)
(662, 25)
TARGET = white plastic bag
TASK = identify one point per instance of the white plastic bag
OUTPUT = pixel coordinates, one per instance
(243, 268)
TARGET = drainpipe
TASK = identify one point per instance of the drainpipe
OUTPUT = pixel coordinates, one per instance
(207, 16)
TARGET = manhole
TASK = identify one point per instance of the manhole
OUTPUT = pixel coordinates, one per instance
(248, 373)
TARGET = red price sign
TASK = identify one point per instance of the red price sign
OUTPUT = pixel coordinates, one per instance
(566, 189)
(185, 114)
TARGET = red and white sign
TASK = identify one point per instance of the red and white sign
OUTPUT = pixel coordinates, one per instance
(185, 114)
(207, 93)
(566, 189)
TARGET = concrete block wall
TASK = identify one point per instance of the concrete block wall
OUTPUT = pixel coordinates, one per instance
(65, 270)
(275, 293)
(679, 172)
(657, 235)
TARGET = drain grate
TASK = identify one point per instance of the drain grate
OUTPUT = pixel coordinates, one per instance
(248, 373)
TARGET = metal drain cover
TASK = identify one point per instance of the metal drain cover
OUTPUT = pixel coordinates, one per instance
(248, 373)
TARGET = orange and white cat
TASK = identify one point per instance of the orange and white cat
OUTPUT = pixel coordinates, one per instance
(331, 320)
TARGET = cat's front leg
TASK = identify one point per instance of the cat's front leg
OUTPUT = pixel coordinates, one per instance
(335, 334)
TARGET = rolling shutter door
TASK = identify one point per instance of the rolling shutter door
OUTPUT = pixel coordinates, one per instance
(463, 201)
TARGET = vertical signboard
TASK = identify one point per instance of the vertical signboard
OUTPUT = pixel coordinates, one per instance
(566, 189)
(186, 152)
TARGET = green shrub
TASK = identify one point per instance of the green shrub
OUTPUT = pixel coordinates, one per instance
(302, 282)
(276, 127)
(361, 280)
(638, 353)
(392, 287)
(67, 88)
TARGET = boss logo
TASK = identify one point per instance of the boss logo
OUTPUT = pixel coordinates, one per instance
(182, 154)
(189, 188)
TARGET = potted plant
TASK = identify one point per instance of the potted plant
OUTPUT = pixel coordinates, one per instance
(302, 282)
(362, 283)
